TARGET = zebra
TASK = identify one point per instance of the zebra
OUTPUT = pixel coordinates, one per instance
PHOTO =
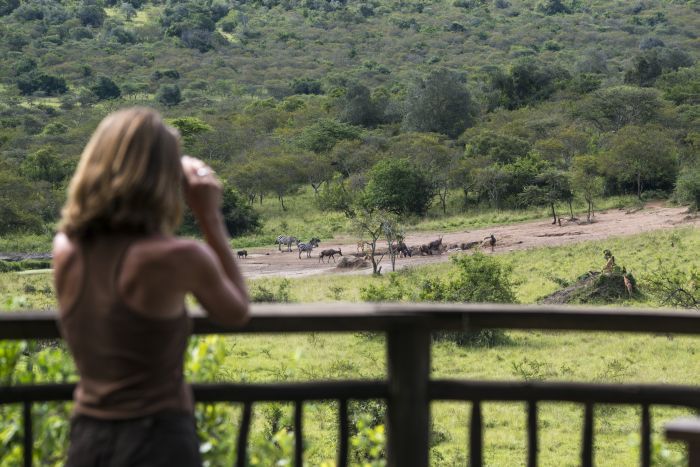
(308, 247)
(286, 240)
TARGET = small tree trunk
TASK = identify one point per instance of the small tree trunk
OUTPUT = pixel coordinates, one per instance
(639, 186)
(281, 198)
(571, 209)
(554, 214)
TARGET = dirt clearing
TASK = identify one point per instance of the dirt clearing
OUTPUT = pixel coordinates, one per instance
(269, 262)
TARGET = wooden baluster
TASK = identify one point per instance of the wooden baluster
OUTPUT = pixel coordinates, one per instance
(241, 454)
(408, 360)
(28, 436)
(298, 437)
(475, 436)
(587, 448)
(646, 437)
(344, 434)
(532, 434)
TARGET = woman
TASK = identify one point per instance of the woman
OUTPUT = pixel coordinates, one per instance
(121, 278)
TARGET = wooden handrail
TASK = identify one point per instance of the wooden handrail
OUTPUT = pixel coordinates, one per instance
(347, 317)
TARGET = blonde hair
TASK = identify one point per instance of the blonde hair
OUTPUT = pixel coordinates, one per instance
(128, 180)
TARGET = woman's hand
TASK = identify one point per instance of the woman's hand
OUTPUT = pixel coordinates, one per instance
(202, 188)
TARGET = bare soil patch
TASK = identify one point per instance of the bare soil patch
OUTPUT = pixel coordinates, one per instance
(269, 262)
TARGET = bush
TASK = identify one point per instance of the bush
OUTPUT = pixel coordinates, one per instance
(105, 89)
(397, 186)
(688, 187)
(169, 94)
(36, 81)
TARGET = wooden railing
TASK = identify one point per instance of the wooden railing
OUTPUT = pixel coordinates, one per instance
(409, 389)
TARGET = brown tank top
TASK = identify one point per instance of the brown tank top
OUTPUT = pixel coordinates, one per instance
(130, 365)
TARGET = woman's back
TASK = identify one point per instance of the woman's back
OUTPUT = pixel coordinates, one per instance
(130, 362)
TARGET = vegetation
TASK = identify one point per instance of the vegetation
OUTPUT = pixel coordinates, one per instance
(484, 99)
(595, 357)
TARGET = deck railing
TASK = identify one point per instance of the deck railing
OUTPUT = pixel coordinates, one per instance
(409, 389)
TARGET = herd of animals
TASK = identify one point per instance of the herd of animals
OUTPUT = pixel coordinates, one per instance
(436, 247)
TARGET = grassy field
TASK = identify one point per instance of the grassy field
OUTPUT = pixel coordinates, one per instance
(565, 356)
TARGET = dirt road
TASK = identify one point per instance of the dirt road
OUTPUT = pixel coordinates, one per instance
(269, 262)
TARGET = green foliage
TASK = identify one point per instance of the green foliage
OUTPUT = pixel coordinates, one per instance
(323, 135)
(439, 103)
(641, 155)
(614, 107)
(35, 81)
(105, 88)
(45, 165)
(398, 186)
(91, 14)
(169, 94)
(190, 127)
(261, 293)
(688, 186)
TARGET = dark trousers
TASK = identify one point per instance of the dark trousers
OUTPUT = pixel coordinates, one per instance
(162, 439)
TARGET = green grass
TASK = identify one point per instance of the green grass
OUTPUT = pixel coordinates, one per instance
(535, 355)
(303, 219)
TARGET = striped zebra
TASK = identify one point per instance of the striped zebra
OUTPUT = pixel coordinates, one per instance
(308, 247)
(286, 240)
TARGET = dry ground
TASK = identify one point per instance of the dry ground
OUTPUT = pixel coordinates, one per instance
(269, 262)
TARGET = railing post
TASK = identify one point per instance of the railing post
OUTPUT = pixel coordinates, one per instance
(408, 355)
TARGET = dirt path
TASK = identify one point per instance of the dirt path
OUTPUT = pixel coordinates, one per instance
(269, 262)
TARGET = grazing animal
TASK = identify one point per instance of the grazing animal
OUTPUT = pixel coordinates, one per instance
(308, 247)
(435, 244)
(425, 249)
(330, 253)
(242, 254)
(286, 240)
(404, 251)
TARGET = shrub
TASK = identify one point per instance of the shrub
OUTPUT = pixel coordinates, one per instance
(169, 94)
(688, 187)
(397, 186)
(105, 89)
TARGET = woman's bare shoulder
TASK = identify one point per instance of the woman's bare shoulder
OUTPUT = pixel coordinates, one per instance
(175, 253)
(64, 249)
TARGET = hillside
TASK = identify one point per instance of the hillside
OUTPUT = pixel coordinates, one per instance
(493, 98)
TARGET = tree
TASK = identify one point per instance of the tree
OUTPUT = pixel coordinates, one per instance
(688, 186)
(496, 147)
(586, 180)
(91, 15)
(36, 81)
(358, 108)
(323, 135)
(8, 6)
(431, 155)
(169, 94)
(612, 108)
(440, 103)
(552, 187)
(639, 155)
(369, 222)
(190, 127)
(395, 185)
(553, 7)
(353, 156)
(105, 89)
(45, 165)
(317, 169)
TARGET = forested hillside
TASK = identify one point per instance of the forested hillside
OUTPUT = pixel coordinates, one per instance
(510, 103)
